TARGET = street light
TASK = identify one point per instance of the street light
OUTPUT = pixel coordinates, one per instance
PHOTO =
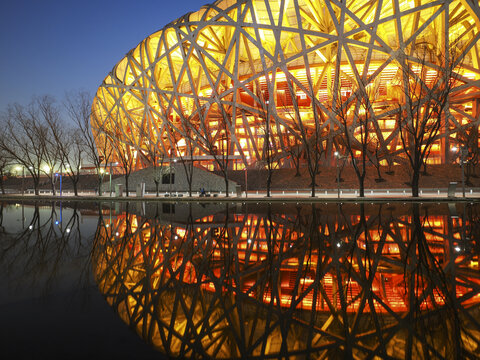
(337, 157)
(61, 174)
(101, 171)
(463, 155)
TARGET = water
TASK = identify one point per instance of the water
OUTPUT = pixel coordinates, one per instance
(235, 280)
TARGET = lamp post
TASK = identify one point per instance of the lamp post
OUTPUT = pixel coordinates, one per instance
(61, 174)
(463, 155)
(337, 158)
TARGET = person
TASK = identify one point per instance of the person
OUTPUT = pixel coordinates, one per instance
(202, 192)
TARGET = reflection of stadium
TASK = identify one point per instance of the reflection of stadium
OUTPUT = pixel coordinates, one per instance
(279, 284)
(208, 81)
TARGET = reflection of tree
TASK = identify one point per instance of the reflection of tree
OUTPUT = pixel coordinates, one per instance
(43, 245)
(354, 281)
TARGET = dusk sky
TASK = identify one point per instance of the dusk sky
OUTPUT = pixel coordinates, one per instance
(54, 46)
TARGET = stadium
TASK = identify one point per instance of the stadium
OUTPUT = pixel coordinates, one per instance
(262, 81)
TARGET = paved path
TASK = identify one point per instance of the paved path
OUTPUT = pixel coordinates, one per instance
(287, 195)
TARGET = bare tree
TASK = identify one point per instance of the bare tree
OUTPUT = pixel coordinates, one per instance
(97, 148)
(356, 129)
(213, 137)
(427, 81)
(295, 152)
(267, 160)
(125, 156)
(186, 154)
(378, 159)
(158, 159)
(19, 139)
(468, 140)
(48, 136)
(5, 162)
(71, 150)
(72, 157)
(311, 137)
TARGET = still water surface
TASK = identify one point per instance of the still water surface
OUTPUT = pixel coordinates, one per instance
(234, 280)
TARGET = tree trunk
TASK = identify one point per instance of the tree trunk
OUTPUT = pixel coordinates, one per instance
(378, 171)
(415, 182)
(126, 185)
(269, 183)
(36, 185)
(157, 188)
(361, 182)
(313, 184)
(75, 187)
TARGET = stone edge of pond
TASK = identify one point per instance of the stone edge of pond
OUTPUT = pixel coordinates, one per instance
(276, 199)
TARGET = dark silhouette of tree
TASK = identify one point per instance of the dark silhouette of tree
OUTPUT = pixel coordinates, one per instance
(125, 157)
(311, 136)
(70, 148)
(468, 140)
(355, 114)
(97, 149)
(22, 128)
(185, 150)
(5, 163)
(265, 125)
(215, 138)
(427, 82)
(49, 138)
(378, 159)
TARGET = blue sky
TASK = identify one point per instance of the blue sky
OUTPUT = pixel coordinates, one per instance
(54, 46)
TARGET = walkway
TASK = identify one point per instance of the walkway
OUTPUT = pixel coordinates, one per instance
(276, 195)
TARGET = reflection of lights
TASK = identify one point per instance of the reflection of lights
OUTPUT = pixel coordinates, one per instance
(457, 248)
(339, 244)
(67, 230)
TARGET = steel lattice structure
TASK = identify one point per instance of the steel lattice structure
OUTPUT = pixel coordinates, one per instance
(212, 78)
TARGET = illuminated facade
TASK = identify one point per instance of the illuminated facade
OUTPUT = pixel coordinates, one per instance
(224, 78)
